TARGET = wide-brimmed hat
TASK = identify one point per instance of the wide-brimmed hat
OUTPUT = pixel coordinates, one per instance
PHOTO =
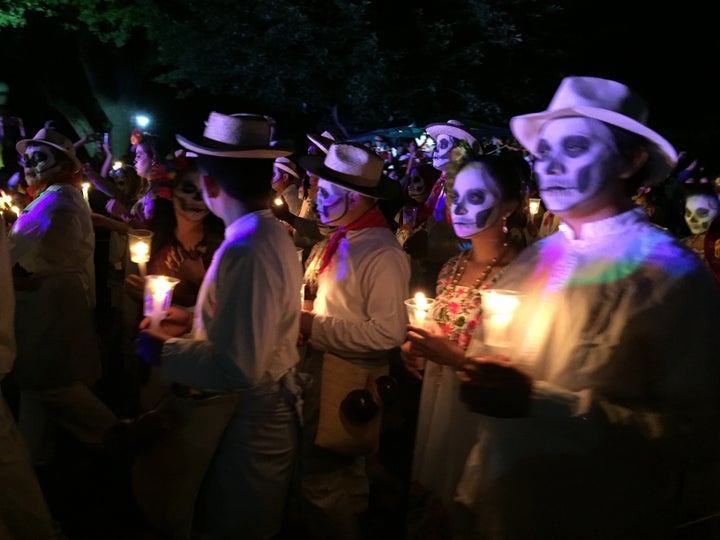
(286, 164)
(609, 101)
(354, 167)
(454, 128)
(51, 137)
(322, 141)
(238, 135)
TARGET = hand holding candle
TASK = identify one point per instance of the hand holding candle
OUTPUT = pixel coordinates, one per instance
(420, 310)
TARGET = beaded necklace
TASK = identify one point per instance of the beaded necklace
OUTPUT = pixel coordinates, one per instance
(462, 263)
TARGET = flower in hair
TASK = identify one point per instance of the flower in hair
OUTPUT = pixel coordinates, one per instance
(136, 136)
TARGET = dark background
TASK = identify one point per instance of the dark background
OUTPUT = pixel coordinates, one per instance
(668, 53)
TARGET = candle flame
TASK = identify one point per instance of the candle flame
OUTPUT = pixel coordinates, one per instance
(420, 301)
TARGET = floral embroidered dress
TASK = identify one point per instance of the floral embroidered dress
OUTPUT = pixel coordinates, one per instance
(445, 432)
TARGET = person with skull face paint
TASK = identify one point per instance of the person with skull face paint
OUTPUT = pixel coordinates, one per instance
(184, 242)
(51, 248)
(359, 280)
(436, 241)
(482, 193)
(701, 207)
(608, 406)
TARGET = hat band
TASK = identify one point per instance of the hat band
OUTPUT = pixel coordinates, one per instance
(287, 169)
(356, 180)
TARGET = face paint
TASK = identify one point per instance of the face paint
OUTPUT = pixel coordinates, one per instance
(188, 197)
(441, 154)
(417, 188)
(39, 163)
(331, 201)
(576, 159)
(476, 199)
(700, 210)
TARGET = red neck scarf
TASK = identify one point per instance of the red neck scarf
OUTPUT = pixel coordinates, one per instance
(371, 218)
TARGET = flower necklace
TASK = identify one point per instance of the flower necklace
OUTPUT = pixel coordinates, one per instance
(462, 263)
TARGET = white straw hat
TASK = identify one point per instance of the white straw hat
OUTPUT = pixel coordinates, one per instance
(238, 135)
(609, 101)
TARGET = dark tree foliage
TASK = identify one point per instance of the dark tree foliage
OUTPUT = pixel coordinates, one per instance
(351, 65)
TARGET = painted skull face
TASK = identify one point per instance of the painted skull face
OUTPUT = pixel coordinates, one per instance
(416, 187)
(441, 154)
(476, 199)
(700, 210)
(332, 202)
(39, 163)
(188, 197)
(575, 158)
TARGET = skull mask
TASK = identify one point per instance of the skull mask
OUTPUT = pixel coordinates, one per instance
(188, 197)
(441, 154)
(700, 210)
(39, 162)
(332, 202)
(417, 188)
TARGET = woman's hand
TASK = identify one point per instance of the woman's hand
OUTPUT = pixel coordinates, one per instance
(432, 346)
(494, 386)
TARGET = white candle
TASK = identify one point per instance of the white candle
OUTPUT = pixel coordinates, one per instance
(421, 309)
(139, 241)
(158, 295)
(85, 190)
(534, 206)
(139, 252)
(498, 308)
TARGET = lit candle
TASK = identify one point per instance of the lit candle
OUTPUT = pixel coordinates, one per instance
(278, 201)
(158, 296)
(85, 190)
(534, 206)
(498, 309)
(421, 309)
(139, 241)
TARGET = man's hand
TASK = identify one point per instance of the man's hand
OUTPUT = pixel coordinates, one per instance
(306, 320)
(411, 362)
(148, 346)
(176, 323)
(494, 386)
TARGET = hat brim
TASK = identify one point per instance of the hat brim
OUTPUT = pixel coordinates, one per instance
(526, 129)
(434, 130)
(212, 148)
(22, 145)
(323, 143)
(386, 188)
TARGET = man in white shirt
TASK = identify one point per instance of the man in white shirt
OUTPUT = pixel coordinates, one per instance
(360, 281)
(606, 408)
(244, 334)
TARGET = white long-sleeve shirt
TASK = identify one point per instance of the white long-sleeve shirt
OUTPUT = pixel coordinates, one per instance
(359, 306)
(247, 314)
(619, 330)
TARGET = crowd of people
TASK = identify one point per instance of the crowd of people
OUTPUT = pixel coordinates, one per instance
(287, 392)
